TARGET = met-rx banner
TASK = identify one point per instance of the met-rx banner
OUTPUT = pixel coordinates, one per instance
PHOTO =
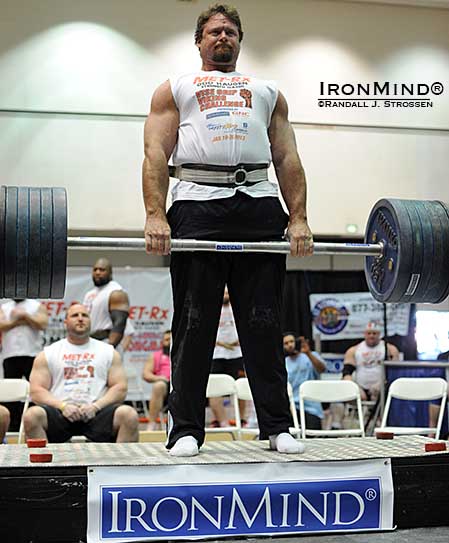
(145, 503)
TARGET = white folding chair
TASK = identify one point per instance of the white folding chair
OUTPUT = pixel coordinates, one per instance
(244, 393)
(135, 390)
(415, 388)
(330, 391)
(220, 385)
(296, 428)
(15, 390)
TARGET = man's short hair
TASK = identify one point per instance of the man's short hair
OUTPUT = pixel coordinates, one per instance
(373, 326)
(230, 12)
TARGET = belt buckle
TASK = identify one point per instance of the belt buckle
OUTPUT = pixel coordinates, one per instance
(240, 176)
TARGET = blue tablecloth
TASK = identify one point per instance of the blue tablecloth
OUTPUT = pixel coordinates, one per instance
(408, 413)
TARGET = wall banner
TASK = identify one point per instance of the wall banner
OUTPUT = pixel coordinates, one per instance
(168, 502)
(344, 315)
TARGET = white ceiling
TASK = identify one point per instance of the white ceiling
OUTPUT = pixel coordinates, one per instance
(421, 3)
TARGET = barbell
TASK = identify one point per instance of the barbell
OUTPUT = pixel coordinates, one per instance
(406, 246)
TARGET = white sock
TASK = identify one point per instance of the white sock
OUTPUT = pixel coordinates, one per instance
(185, 446)
(286, 443)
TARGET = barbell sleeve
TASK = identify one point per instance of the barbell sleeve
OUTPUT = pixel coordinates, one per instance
(362, 249)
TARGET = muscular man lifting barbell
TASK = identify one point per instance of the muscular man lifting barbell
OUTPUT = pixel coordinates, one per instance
(224, 194)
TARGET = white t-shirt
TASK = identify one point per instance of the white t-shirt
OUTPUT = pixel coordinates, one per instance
(97, 303)
(79, 372)
(368, 371)
(224, 120)
(21, 340)
(227, 333)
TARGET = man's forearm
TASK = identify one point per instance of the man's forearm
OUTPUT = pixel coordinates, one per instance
(115, 338)
(44, 397)
(292, 182)
(155, 181)
(317, 363)
(36, 321)
(115, 394)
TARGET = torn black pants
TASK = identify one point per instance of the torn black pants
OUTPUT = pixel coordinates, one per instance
(255, 283)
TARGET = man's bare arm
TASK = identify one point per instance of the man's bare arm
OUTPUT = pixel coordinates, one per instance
(38, 320)
(291, 177)
(40, 383)
(119, 302)
(117, 384)
(161, 131)
(6, 325)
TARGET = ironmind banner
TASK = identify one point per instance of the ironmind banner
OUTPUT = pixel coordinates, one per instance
(153, 503)
(344, 315)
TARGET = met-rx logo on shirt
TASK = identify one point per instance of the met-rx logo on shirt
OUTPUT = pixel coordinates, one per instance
(165, 512)
(229, 247)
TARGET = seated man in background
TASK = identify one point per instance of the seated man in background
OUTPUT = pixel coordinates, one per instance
(78, 384)
(157, 372)
(304, 365)
(363, 362)
(4, 422)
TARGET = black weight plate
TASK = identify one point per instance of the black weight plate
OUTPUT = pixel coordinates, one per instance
(59, 242)
(441, 286)
(46, 242)
(34, 257)
(23, 238)
(415, 272)
(425, 211)
(10, 247)
(389, 219)
(2, 240)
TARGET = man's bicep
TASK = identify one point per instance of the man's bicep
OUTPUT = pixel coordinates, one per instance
(118, 300)
(161, 126)
(280, 132)
(117, 372)
(40, 374)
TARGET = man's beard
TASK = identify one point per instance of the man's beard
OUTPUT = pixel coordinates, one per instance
(101, 281)
(223, 53)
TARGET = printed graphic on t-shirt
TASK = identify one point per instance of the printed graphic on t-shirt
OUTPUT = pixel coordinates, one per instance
(79, 374)
(230, 100)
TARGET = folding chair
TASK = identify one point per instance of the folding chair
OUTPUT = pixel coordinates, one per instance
(15, 390)
(330, 391)
(415, 388)
(296, 428)
(244, 393)
(135, 390)
(219, 385)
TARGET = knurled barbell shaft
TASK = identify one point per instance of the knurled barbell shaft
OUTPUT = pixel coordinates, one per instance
(362, 249)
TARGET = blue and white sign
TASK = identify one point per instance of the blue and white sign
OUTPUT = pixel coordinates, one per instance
(148, 503)
(344, 315)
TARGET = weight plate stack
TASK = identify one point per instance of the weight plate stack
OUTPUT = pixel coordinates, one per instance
(33, 230)
(413, 268)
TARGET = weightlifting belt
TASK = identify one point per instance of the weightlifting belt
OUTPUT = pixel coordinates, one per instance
(221, 176)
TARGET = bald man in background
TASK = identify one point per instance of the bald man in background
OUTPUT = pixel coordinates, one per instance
(107, 303)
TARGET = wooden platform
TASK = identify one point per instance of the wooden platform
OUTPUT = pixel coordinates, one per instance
(46, 503)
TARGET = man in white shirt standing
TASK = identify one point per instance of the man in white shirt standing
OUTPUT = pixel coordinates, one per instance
(78, 384)
(223, 129)
(107, 304)
(227, 359)
(22, 322)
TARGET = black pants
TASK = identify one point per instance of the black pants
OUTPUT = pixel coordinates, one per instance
(255, 283)
(16, 367)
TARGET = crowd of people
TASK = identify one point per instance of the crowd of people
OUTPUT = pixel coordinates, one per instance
(78, 384)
